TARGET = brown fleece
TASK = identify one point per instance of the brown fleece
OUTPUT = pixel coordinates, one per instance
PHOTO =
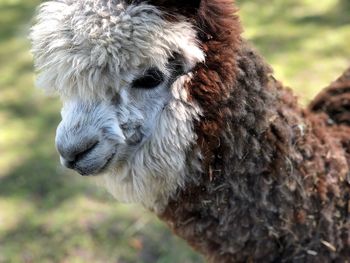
(275, 185)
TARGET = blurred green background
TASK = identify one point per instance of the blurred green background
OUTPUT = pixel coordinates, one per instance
(50, 215)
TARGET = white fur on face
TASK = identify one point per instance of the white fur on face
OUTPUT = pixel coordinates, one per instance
(90, 52)
(156, 170)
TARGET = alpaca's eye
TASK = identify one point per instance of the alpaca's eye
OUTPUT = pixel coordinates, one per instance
(152, 78)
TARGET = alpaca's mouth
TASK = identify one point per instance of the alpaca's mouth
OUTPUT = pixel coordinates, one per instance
(108, 162)
(86, 168)
(88, 172)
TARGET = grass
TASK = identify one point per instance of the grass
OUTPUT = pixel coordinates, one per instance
(50, 215)
(306, 41)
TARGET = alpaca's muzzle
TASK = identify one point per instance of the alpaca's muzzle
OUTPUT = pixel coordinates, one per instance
(88, 137)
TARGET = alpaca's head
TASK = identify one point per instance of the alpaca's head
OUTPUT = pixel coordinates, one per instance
(120, 68)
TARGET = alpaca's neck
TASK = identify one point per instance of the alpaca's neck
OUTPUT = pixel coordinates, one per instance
(235, 198)
(269, 186)
(258, 191)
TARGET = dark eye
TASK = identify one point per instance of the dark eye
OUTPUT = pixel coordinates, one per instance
(151, 79)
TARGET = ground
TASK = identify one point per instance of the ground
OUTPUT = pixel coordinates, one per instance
(48, 214)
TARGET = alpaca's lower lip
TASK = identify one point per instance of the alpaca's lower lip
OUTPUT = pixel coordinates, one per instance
(98, 171)
(109, 160)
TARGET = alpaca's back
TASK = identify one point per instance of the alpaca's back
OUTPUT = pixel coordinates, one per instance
(334, 101)
(329, 113)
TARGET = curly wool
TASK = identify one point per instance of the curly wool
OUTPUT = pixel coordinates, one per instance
(275, 187)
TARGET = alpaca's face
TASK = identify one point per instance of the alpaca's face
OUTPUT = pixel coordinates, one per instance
(95, 133)
(120, 70)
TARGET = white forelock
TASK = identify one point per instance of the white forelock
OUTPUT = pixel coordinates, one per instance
(83, 45)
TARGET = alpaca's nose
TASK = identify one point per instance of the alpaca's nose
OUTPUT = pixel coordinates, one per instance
(74, 153)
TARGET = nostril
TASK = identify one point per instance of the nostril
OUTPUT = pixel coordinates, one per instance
(69, 164)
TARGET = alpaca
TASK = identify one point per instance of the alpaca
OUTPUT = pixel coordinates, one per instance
(166, 105)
